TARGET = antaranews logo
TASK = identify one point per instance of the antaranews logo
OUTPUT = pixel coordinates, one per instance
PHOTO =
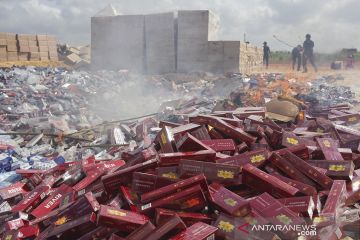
(301, 230)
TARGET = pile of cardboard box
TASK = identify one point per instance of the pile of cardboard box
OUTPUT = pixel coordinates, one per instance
(25, 47)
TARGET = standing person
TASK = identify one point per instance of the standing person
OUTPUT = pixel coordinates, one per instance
(266, 55)
(349, 60)
(308, 53)
(296, 56)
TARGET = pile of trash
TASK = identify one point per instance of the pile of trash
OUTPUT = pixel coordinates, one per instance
(325, 92)
(195, 168)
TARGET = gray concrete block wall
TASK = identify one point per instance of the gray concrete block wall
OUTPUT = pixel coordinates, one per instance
(214, 27)
(215, 59)
(192, 40)
(98, 42)
(231, 56)
(160, 43)
(118, 42)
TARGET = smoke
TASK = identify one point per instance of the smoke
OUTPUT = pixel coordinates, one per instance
(120, 97)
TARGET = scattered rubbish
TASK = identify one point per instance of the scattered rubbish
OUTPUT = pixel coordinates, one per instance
(208, 154)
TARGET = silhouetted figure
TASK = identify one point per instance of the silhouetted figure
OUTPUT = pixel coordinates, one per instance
(266, 55)
(296, 57)
(349, 60)
(308, 53)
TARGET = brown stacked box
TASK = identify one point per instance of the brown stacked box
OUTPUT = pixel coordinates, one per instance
(53, 56)
(8, 47)
(25, 47)
(3, 52)
(24, 50)
(43, 47)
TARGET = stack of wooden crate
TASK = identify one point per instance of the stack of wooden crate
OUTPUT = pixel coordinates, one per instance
(25, 47)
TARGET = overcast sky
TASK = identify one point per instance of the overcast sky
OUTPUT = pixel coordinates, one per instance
(334, 24)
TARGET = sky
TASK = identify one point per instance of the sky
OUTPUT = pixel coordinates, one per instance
(333, 24)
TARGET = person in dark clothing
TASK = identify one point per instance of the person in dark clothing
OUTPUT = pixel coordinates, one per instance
(349, 60)
(266, 55)
(308, 53)
(296, 56)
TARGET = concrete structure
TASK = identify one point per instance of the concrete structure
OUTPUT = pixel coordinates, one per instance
(215, 56)
(160, 43)
(118, 42)
(193, 31)
(166, 43)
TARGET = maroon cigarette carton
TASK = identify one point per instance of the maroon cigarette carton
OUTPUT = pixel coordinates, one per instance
(142, 232)
(234, 228)
(28, 232)
(290, 139)
(303, 188)
(32, 199)
(115, 237)
(324, 181)
(228, 202)
(198, 231)
(342, 170)
(143, 182)
(189, 199)
(257, 158)
(74, 228)
(289, 169)
(353, 197)
(51, 202)
(180, 131)
(130, 197)
(172, 159)
(85, 204)
(98, 233)
(300, 150)
(329, 148)
(121, 219)
(113, 181)
(276, 213)
(91, 177)
(189, 218)
(15, 224)
(303, 205)
(189, 143)
(224, 127)
(263, 182)
(176, 187)
(223, 173)
(245, 112)
(168, 172)
(13, 194)
(166, 140)
(220, 145)
(167, 229)
(336, 198)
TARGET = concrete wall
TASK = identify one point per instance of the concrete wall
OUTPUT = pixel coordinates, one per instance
(192, 42)
(231, 56)
(216, 55)
(118, 42)
(160, 43)
(99, 32)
